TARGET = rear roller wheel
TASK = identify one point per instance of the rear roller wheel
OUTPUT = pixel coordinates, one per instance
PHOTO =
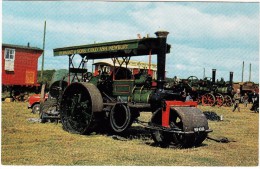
(185, 119)
(79, 103)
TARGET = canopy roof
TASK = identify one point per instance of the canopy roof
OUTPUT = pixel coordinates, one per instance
(134, 47)
(131, 64)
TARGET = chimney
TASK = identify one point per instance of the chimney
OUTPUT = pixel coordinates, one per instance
(231, 78)
(250, 72)
(161, 58)
(28, 44)
(243, 72)
(213, 75)
(204, 73)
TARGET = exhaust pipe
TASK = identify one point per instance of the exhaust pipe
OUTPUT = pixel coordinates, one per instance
(243, 72)
(231, 78)
(213, 75)
(161, 58)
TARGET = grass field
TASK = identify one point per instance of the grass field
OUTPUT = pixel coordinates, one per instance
(32, 143)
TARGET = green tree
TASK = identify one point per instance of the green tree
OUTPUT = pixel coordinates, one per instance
(47, 75)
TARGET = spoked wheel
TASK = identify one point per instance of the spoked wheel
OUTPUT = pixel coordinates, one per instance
(120, 118)
(191, 123)
(79, 103)
(219, 99)
(208, 99)
(228, 101)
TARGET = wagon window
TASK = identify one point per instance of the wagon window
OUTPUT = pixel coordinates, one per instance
(9, 54)
(9, 59)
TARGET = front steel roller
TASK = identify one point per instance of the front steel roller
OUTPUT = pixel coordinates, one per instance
(79, 103)
(188, 128)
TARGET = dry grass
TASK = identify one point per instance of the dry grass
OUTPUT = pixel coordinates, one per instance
(27, 143)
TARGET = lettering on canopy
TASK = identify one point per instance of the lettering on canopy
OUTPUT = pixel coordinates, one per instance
(95, 49)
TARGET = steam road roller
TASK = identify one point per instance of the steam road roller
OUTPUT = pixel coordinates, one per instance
(115, 96)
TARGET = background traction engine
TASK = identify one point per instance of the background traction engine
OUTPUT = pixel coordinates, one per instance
(118, 98)
(208, 92)
(220, 92)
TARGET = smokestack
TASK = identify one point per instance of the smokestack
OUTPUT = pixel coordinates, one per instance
(243, 72)
(213, 75)
(28, 44)
(250, 72)
(203, 72)
(231, 78)
(161, 58)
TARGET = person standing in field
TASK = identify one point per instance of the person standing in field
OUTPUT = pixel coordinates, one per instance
(254, 97)
(236, 99)
(245, 99)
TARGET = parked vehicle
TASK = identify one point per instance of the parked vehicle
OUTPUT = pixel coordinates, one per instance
(114, 99)
(34, 102)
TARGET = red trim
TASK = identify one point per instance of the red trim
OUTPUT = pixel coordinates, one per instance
(20, 84)
(169, 104)
(166, 116)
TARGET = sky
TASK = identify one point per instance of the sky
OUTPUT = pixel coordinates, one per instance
(202, 35)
